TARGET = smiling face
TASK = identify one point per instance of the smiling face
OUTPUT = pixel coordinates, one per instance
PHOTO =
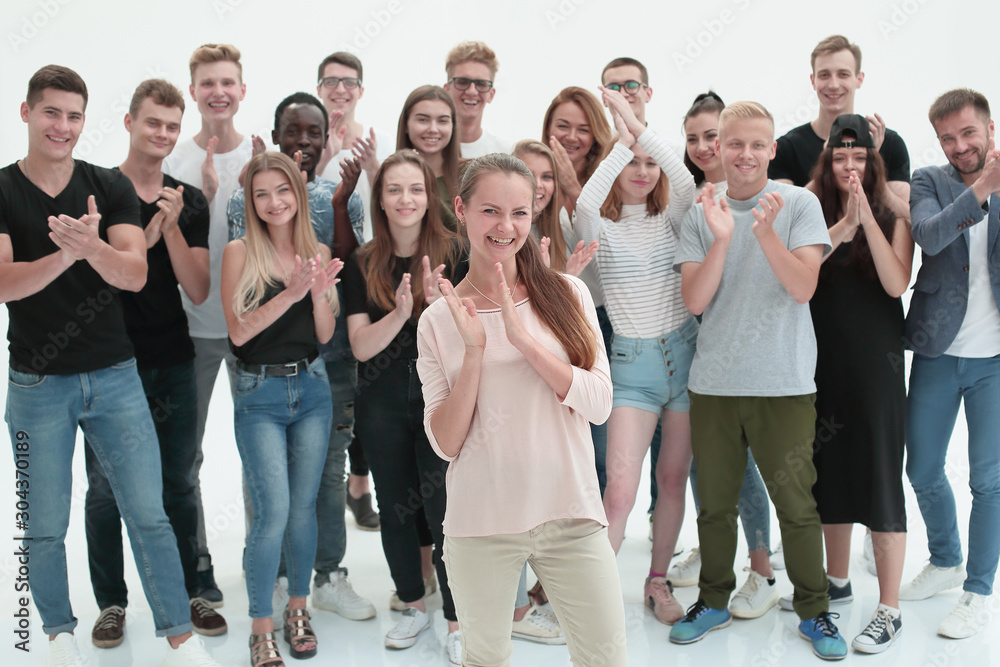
(636, 99)
(404, 196)
(218, 89)
(154, 129)
(701, 132)
(746, 147)
(545, 181)
(639, 177)
(54, 124)
(340, 98)
(835, 79)
(302, 128)
(570, 127)
(965, 139)
(470, 103)
(273, 198)
(498, 217)
(847, 161)
(429, 126)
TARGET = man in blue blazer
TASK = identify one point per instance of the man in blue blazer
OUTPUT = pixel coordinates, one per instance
(953, 328)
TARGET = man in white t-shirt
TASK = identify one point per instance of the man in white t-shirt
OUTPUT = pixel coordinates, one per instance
(339, 86)
(953, 328)
(471, 68)
(211, 160)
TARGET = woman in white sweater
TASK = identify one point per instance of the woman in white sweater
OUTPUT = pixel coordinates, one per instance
(625, 207)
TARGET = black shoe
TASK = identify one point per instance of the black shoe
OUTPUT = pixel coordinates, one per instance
(208, 590)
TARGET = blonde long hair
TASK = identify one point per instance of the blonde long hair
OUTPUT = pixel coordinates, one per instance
(261, 269)
(548, 219)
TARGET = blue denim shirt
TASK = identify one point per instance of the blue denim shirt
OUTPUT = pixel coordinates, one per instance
(321, 215)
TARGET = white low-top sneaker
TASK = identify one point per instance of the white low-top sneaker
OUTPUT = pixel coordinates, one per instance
(454, 644)
(539, 628)
(968, 617)
(337, 595)
(931, 581)
(63, 652)
(754, 598)
(404, 633)
(189, 654)
(687, 571)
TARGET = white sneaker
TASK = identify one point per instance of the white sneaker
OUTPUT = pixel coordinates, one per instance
(279, 600)
(778, 558)
(931, 581)
(869, 555)
(189, 654)
(539, 628)
(968, 617)
(404, 633)
(430, 587)
(754, 598)
(337, 595)
(454, 644)
(686, 572)
(880, 633)
(64, 653)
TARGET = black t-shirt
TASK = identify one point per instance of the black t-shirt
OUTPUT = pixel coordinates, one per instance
(74, 324)
(404, 345)
(154, 316)
(800, 148)
(289, 338)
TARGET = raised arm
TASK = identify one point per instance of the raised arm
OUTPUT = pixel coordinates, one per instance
(681, 181)
(190, 265)
(700, 280)
(893, 261)
(369, 338)
(936, 226)
(22, 279)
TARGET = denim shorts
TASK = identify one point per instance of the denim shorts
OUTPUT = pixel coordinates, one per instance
(652, 373)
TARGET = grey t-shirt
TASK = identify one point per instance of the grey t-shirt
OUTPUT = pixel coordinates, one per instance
(755, 340)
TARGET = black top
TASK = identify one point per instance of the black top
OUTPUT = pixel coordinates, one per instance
(154, 316)
(404, 345)
(74, 324)
(289, 338)
(800, 148)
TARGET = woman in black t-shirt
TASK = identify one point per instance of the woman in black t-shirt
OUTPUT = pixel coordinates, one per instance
(282, 401)
(389, 281)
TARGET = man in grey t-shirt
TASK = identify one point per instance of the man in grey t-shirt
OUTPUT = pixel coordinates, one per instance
(750, 263)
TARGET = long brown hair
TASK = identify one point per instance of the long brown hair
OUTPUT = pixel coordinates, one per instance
(599, 127)
(873, 184)
(377, 257)
(548, 218)
(551, 296)
(452, 152)
(656, 200)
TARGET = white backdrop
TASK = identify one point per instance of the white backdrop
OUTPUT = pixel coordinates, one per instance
(744, 49)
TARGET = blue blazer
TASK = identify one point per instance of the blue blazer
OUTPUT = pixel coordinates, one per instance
(942, 209)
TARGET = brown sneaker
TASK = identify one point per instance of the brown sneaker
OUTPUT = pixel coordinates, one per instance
(364, 514)
(659, 598)
(207, 621)
(109, 629)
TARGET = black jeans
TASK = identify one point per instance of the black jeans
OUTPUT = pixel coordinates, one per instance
(172, 399)
(409, 476)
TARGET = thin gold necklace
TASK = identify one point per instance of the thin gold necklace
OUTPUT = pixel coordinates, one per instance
(488, 298)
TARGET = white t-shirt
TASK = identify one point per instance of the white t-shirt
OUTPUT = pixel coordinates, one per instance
(486, 143)
(184, 164)
(385, 146)
(979, 336)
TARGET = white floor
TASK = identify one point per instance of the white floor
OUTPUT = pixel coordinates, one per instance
(770, 640)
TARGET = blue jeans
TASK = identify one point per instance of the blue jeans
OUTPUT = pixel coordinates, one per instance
(937, 387)
(283, 434)
(170, 394)
(331, 541)
(109, 405)
(755, 513)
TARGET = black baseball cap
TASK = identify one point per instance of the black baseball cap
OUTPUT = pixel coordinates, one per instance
(854, 123)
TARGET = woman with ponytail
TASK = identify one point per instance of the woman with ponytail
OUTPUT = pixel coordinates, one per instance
(513, 370)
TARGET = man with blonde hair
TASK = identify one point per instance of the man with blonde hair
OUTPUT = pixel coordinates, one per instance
(749, 263)
(471, 68)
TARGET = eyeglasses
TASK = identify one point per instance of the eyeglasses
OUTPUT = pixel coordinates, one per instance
(332, 82)
(461, 83)
(630, 86)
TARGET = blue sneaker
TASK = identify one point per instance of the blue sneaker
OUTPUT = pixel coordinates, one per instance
(700, 619)
(826, 640)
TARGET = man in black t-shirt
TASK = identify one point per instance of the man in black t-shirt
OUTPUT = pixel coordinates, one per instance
(836, 77)
(175, 222)
(70, 241)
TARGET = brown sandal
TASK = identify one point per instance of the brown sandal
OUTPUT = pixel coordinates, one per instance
(264, 651)
(537, 594)
(299, 632)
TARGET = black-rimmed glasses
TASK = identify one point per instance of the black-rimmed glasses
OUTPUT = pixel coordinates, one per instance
(461, 83)
(630, 86)
(332, 82)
